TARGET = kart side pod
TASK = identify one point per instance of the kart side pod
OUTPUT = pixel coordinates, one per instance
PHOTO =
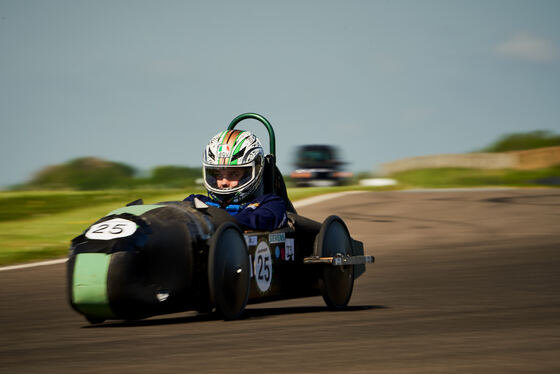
(145, 260)
(338, 261)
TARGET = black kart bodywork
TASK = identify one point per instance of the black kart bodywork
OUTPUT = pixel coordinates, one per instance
(145, 260)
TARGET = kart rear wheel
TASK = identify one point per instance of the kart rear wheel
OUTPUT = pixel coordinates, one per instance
(336, 282)
(228, 271)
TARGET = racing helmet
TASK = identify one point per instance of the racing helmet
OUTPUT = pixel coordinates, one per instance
(234, 155)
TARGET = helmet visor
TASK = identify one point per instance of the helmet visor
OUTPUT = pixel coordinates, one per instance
(228, 178)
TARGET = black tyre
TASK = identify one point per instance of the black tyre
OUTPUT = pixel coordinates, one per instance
(95, 320)
(228, 271)
(336, 282)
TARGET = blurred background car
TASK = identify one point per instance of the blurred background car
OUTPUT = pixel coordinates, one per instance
(319, 165)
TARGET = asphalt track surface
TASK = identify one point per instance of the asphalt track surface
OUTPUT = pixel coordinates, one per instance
(464, 282)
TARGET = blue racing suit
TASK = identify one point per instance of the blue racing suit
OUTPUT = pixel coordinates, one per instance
(267, 212)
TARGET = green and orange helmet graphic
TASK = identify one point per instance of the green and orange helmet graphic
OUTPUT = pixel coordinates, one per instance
(234, 154)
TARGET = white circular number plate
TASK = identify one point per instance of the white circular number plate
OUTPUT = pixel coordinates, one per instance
(111, 229)
(263, 267)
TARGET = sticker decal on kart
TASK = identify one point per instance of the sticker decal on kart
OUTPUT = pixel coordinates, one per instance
(289, 254)
(263, 267)
(251, 240)
(277, 238)
(111, 229)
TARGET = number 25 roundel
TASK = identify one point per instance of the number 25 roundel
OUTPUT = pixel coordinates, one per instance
(111, 229)
(263, 267)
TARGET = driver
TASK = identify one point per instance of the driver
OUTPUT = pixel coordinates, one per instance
(232, 168)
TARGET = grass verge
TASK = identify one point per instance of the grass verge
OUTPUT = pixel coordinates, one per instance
(46, 233)
(40, 225)
(34, 204)
(460, 177)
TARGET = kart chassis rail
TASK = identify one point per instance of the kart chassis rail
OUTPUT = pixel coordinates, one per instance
(339, 260)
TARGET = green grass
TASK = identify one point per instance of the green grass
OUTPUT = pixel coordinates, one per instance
(49, 220)
(34, 204)
(40, 225)
(459, 177)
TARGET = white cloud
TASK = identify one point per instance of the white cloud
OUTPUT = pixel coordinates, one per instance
(527, 47)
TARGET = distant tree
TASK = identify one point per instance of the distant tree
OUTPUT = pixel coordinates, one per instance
(174, 176)
(87, 173)
(521, 141)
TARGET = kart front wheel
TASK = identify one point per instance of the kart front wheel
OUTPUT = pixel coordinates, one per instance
(228, 271)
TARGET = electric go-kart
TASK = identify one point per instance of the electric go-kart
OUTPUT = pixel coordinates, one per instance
(144, 260)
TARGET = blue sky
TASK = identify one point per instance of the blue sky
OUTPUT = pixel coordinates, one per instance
(150, 82)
